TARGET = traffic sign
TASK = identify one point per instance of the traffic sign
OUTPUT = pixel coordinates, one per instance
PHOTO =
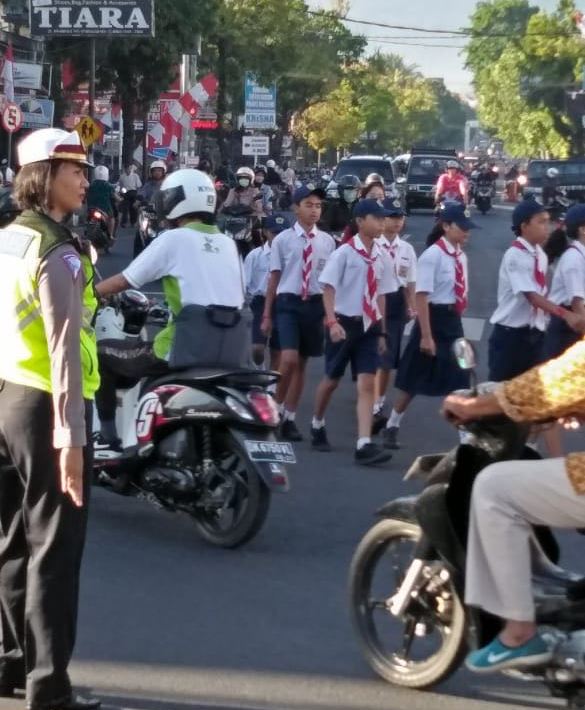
(12, 117)
(255, 145)
(89, 130)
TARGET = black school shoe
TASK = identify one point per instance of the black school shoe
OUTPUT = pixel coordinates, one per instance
(372, 454)
(319, 440)
(289, 431)
(390, 437)
(75, 702)
(379, 422)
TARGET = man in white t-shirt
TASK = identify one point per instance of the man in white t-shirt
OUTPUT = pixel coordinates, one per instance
(197, 265)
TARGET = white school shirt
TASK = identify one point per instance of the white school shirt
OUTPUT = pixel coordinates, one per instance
(287, 257)
(569, 276)
(199, 266)
(403, 261)
(516, 278)
(436, 275)
(346, 271)
(257, 270)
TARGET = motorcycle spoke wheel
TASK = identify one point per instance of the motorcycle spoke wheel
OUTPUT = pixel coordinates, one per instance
(427, 643)
(236, 502)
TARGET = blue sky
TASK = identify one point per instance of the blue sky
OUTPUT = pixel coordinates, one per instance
(445, 62)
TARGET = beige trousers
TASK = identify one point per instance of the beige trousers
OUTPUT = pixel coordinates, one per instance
(507, 498)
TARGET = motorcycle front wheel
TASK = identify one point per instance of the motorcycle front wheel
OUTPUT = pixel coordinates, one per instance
(427, 642)
(236, 501)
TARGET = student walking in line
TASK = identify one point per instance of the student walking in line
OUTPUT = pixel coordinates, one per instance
(520, 319)
(400, 308)
(428, 366)
(256, 272)
(297, 258)
(355, 281)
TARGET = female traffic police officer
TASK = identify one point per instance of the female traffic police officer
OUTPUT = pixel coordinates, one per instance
(48, 376)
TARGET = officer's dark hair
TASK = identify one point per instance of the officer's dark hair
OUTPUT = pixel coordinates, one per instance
(32, 185)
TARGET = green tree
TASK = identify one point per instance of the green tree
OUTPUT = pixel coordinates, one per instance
(453, 112)
(525, 88)
(335, 122)
(282, 41)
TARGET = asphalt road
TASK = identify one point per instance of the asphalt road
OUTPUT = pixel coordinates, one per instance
(168, 623)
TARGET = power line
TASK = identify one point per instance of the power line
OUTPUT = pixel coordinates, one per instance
(463, 33)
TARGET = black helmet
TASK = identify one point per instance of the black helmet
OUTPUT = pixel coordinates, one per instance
(134, 306)
(348, 182)
(205, 165)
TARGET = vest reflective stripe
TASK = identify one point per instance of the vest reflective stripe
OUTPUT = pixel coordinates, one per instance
(24, 356)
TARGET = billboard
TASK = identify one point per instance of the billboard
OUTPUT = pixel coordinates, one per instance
(91, 18)
(37, 113)
(260, 104)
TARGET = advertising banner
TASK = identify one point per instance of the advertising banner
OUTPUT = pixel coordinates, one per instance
(91, 18)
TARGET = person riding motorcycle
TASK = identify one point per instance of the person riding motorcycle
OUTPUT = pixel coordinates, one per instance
(512, 496)
(199, 267)
(156, 172)
(452, 185)
(550, 186)
(273, 178)
(101, 196)
(337, 213)
(245, 193)
(265, 190)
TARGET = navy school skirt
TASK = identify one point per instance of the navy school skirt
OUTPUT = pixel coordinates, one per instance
(396, 320)
(512, 351)
(558, 338)
(437, 376)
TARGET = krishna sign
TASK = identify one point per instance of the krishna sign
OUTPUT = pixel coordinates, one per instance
(92, 17)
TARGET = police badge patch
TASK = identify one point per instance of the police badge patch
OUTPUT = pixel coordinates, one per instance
(73, 263)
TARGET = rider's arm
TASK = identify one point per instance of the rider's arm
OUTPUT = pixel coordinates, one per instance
(440, 188)
(464, 189)
(151, 264)
(115, 284)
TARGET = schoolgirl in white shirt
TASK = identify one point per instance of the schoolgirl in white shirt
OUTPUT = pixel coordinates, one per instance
(568, 283)
(428, 366)
(400, 303)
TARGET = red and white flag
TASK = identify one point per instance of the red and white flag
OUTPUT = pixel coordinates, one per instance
(199, 95)
(579, 20)
(8, 73)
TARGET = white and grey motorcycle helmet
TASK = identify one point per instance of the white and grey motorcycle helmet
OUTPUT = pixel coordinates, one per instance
(185, 192)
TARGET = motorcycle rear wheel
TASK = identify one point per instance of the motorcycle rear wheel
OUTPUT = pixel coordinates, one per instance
(398, 667)
(249, 502)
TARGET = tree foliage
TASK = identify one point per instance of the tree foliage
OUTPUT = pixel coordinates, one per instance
(527, 65)
(388, 106)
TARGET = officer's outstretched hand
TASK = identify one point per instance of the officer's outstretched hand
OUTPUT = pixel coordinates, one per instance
(71, 467)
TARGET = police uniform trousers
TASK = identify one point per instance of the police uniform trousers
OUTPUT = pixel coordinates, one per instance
(42, 535)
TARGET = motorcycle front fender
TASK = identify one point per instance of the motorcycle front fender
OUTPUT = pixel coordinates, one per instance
(400, 509)
(274, 474)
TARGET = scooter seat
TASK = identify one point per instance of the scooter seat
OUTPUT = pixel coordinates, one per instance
(208, 375)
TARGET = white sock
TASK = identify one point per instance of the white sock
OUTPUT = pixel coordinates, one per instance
(281, 410)
(289, 416)
(317, 423)
(394, 419)
(362, 441)
(379, 405)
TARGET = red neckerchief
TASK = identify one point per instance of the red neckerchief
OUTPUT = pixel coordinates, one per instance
(370, 310)
(460, 285)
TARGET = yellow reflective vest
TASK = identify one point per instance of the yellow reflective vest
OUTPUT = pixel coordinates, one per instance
(24, 353)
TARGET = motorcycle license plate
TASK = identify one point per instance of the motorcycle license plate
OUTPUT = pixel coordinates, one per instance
(271, 451)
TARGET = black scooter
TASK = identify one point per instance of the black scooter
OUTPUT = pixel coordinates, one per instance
(408, 573)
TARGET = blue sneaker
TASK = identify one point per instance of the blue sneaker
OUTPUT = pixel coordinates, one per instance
(496, 657)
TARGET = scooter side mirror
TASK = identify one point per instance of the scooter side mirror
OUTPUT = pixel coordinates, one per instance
(464, 354)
